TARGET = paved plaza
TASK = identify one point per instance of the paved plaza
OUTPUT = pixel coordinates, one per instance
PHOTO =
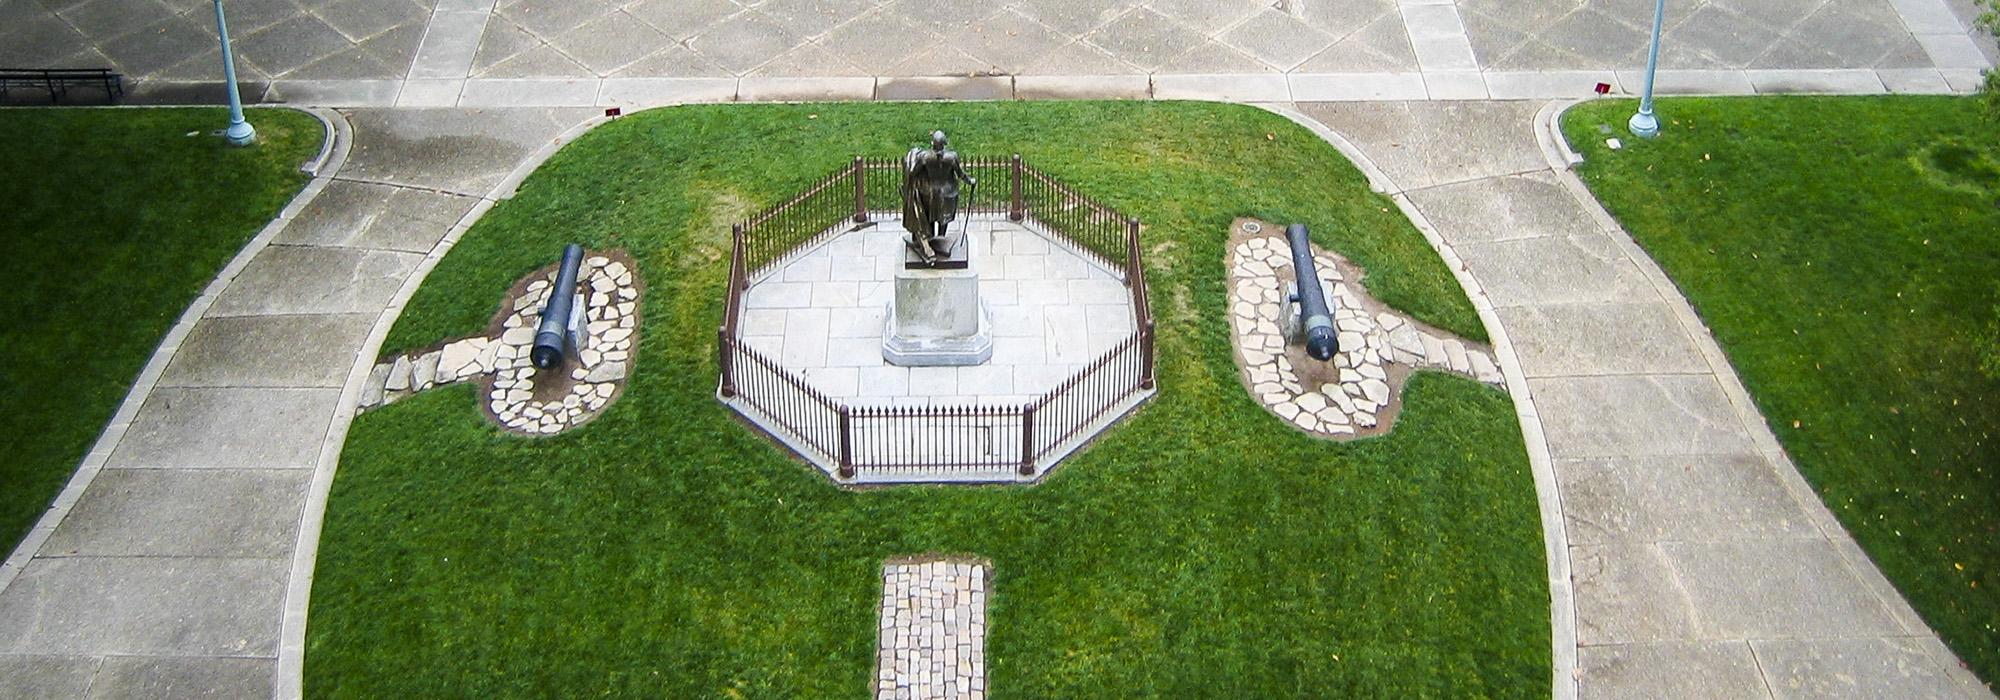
(1687, 556)
(1052, 311)
(604, 53)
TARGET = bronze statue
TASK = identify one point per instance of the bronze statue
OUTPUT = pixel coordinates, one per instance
(930, 197)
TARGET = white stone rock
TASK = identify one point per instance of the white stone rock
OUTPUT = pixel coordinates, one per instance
(423, 372)
(1406, 339)
(1286, 409)
(1388, 321)
(1434, 351)
(518, 395)
(1374, 372)
(518, 337)
(1333, 416)
(1275, 398)
(607, 372)
(1454, 352)
(1266, 388)
(399, 375)
(617, 354)
(1306, 420)
(1340, 399)
(1351, 341)
(1365, 420)
(590, 357)
(1350, 389)
(626, 308)
(1312, 402)
(371, 392)
(1257, 268)
(627, 293)
(1376, 390)
(1483, 368)
(616, 335)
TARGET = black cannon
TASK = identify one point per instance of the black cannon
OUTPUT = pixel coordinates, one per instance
(560, 331)
(1315, 319)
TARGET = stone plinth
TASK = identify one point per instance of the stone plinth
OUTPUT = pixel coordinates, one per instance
(936, 317)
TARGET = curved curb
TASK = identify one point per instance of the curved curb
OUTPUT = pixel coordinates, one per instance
(1561, 158)
(1548, 493)
(289, 681)
(333, 152)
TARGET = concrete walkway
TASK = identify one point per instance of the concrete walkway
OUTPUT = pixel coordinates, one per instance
(1701, 564)
(1688, 558)
(164, 569)
(440, 53)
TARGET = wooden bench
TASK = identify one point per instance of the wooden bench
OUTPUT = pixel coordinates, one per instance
(58, 81)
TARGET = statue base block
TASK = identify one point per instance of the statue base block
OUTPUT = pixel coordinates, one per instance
(936, 318)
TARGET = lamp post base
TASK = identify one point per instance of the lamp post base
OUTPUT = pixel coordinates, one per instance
(1644, 125)
(240, 133)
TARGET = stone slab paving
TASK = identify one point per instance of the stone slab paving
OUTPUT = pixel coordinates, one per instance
(422, 53)
(164, 570)
(1053, 310)
(932, 636)
(1702, 565)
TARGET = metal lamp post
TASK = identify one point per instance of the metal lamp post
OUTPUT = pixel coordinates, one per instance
(239, 133)
(1644, 124)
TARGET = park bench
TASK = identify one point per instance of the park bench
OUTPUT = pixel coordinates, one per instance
(58, 81)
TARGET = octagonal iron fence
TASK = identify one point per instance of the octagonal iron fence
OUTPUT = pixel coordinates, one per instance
(968, 440)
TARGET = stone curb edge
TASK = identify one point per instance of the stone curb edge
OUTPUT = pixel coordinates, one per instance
(1562, 159)
(289, 680)
(1548, 495)
(333, 151)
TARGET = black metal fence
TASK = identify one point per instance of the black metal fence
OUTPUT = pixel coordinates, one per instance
(934, 438)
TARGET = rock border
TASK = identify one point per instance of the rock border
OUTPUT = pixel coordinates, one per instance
(1359, 393)
(515, 394)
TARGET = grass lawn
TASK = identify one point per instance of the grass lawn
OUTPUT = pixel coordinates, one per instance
(1202, 549)
(114, 221)
(1845, 253)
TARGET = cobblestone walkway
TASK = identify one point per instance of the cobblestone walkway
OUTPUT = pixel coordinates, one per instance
(429, 53)
(933, 631)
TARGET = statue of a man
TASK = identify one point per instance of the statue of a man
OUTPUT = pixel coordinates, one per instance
(930, 197)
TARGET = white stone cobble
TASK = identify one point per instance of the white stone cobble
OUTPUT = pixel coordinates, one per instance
(933, 631)
(512, 396)
(1372, 337)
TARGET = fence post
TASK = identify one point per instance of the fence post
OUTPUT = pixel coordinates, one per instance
(1028, 440)
(727, 360)
(1146, 354)
(846, 443)
(860, 191)
(1016, 210)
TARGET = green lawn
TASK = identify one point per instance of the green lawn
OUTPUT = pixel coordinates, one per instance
(111, 223)
(1202, 549)
(1845, 251)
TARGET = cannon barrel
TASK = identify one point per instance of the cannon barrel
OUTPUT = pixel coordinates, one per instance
(1315, 320)
(552, 335)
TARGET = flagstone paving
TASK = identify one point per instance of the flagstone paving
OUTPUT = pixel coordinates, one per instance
(611, 52)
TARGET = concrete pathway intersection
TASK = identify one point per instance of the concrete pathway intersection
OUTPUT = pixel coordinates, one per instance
(1688, 558)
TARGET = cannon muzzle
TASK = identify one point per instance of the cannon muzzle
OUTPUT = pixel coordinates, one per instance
(1315, 319)
(553, 333)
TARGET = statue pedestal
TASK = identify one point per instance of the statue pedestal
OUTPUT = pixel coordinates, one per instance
(936, 318)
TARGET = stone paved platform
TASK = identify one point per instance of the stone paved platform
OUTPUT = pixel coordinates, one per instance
(424, 53)
(1053, 310)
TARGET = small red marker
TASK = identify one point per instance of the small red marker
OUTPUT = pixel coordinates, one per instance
(1604, 88)
(614, 111)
